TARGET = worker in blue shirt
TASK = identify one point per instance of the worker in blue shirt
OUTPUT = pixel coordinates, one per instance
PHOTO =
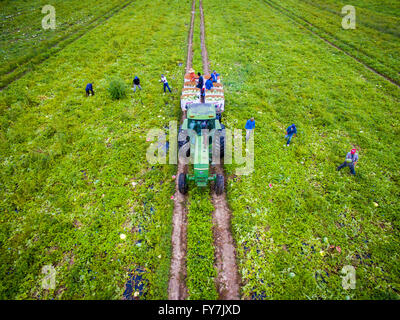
(290, 131)
(250, 125)
(89, 88)
(209, 84)
(215, 76)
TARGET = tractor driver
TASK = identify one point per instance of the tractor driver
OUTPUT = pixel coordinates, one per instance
(204, 124)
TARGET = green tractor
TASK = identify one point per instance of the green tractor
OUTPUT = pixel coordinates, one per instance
(201, 136)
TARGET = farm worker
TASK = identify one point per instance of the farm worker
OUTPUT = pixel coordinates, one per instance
(192, 75)
(136, 83)
(209, 84)
(215, 76)
(89, 88)
(290, 131)
(192, 125)
(250, 125)
(200, 83)
(351, 161)
(204, 124)
(164, 80)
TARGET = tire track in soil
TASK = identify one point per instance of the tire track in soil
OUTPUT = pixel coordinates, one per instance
(177, 289)
(228, 279)
(204, 54)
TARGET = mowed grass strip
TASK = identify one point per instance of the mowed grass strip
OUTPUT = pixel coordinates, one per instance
(74, 174)
(201, 273)
(297, 222)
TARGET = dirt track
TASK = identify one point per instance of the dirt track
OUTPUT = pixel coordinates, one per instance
(228, 279)
(204, 54)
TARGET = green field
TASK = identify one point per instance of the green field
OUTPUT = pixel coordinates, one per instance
(74, 175)
(282, 74)
(68, 162)
(374, 41)
(24, 43)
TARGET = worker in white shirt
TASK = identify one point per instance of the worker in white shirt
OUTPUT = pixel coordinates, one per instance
(165, 82)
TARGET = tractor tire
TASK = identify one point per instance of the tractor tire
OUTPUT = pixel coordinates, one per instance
(219, 184)
(182, 183)
(221, 143)
(181, 136)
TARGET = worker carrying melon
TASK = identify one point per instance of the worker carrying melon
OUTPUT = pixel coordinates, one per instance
(351, 161)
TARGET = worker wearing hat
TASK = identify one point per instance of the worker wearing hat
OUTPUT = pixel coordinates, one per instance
(192, 74)
(351, 161)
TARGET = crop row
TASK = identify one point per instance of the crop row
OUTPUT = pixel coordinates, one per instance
(77, 191)
(24, 43)
(374, 40)
(296, 221)
(201, 273)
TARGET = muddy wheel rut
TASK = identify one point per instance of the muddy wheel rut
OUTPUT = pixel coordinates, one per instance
(177, 289)
(228, 279)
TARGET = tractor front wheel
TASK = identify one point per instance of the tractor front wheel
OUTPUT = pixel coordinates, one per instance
(182, 183)
(219, 184)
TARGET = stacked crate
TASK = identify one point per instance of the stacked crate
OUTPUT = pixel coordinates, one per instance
(190, 94)
(215, 96)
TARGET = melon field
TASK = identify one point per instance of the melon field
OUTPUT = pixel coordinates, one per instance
(81, 205)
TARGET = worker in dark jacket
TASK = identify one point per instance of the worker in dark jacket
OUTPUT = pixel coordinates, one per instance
(200, 81)
(200, 84)
(89, 88)
(351, 161)
(290, 132)
(136, 83)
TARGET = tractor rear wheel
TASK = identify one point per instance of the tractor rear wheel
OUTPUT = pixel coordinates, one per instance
(222, 141)
(219, 184)
(182, 183)
(183, 139)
